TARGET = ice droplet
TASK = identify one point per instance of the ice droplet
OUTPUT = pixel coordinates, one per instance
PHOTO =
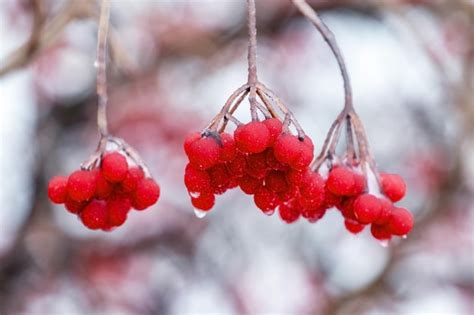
(199, 213)
(195, 194)
(269, 212)
(384, 243)
(404, 237)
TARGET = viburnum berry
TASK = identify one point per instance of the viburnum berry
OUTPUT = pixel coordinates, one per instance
(196, 180)
(205, 201)
(400, 222)
(228, 149)
(393, 186)
(94, 215)
(81, 185)
(276, 182)
(353, 226)
(57, 189)
(220, 178)
(287, 148)
(367, 208)
(117, 210)
(288, 212)
(380, 232)
(313, 214)
(146, 194)
(385, 212)
(74, 206)
(114, 167)
(274, 127)
(130, 182)
(340, 181)
(249, 184)
(266, 200)
(204, 152)
(253, 137)
(103, 187)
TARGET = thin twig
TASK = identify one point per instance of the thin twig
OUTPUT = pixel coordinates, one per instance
(101, 63)
(252, 57)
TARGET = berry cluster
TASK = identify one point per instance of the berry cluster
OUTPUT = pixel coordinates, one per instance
(360, 207)
(102, 197)
(261, 158)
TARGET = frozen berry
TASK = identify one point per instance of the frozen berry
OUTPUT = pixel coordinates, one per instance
(114, 167)
(196, 180)
(340, 181)
(353, 226)
(204, 153)
(189, 140)
(227, 150)
(385, 211)
(380, 232)
(289, 213)
(130, 182)
(117, 210)
(81, 185)
(393, 186)
(249, 184)
(220, 178)
(266, 200)
(205, 201)
(146, 194)
(274, 127)
(103, 188)
(401, 221)
(276, 181)
(74, 206)
(253, 137)
(57, 189)
(367, 208)
(94, 215)
(287, 148)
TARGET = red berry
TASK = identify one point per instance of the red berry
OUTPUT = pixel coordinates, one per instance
(253, 137)
(276, 181)
(130, 182)
(57, 189)
(367, 208)
(74, 206)
(306, 154)
(81, 185)
(313, 214)
(238, 166)
(330, 199)
(249, 185)
(287, 148)
(359, 184)
(220, 178)
(346, 206)
(340, 181)
(353, 226)
(196, 180)
(103, 188)
(114, 167)
(146, 194)
(228, 150)
(273, 163)
(117, 210)
(380, 232)
(205, 201)
(275, 127)
(401, 221)
(257, 160)
(288, 212)
(266, 200)
(94, 215)
(385, 212)
(189, 140)
(204, 153)
(393, 186)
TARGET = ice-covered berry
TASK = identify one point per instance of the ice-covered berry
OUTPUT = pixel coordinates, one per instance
(94, 215)
(253, 137)
(401, 221)
(204, 153)
(146, 194)
(367, 208)
(340, 181)
(228, 149)
(353, 226)
(266, 200)
(205, 201)
(117, 210)
(57, 189)
(114, 167)
(196, 180)
(393, 186)
(81, 185)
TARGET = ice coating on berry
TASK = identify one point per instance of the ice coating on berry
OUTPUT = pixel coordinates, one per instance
(81, 185)
(94, 215)
(205, 201)
(289, 213)
(401, 221)
(287, 148)
(380, 232)
(274, 127)
(276, 181)
(367, 208)
(253, 137)
(196, 180)
(130, 182)
(190, 139)
(114, 167)
(353, 226)
(117, 210)
(249, 184)
(57, 189)
(220, 178)
(146, 194)
(340, 181)
(103, 188)
(204, 153)
(228, 149)
(393, 186)
(74, 206)
(266, 200)
(385, 211)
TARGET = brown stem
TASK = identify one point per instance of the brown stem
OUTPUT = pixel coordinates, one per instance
(330, 39)
(351, 155)
(101, 68)
(252, 57)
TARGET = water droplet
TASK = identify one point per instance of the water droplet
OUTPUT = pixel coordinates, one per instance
(384, 243)
(269, 212)
(195, 194)
(404, 237)
(199, 213)
(96, 64)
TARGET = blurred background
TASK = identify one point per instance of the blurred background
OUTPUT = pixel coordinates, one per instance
(172, 65)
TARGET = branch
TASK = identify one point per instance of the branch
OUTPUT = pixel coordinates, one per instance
(101, 64)
(252, 57)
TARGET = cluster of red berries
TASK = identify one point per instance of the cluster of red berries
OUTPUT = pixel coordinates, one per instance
(260, 157)
(102, 197)
(359, 208)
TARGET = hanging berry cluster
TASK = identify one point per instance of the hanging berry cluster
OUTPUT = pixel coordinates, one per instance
(265, 159)
(103, 196)
(106, 188)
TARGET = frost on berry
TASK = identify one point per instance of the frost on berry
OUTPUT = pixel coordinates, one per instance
(367, 208)
(341, 181)
(228, 148)
(400, 222)
(94, 215)
(205, 201)
(57, 189)
(253, 137)
(196, 180)
(289, 212)
(146, 194)
(204, 152)
(393, 186)
(114, 167)
(81, 185)
(266, 200)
